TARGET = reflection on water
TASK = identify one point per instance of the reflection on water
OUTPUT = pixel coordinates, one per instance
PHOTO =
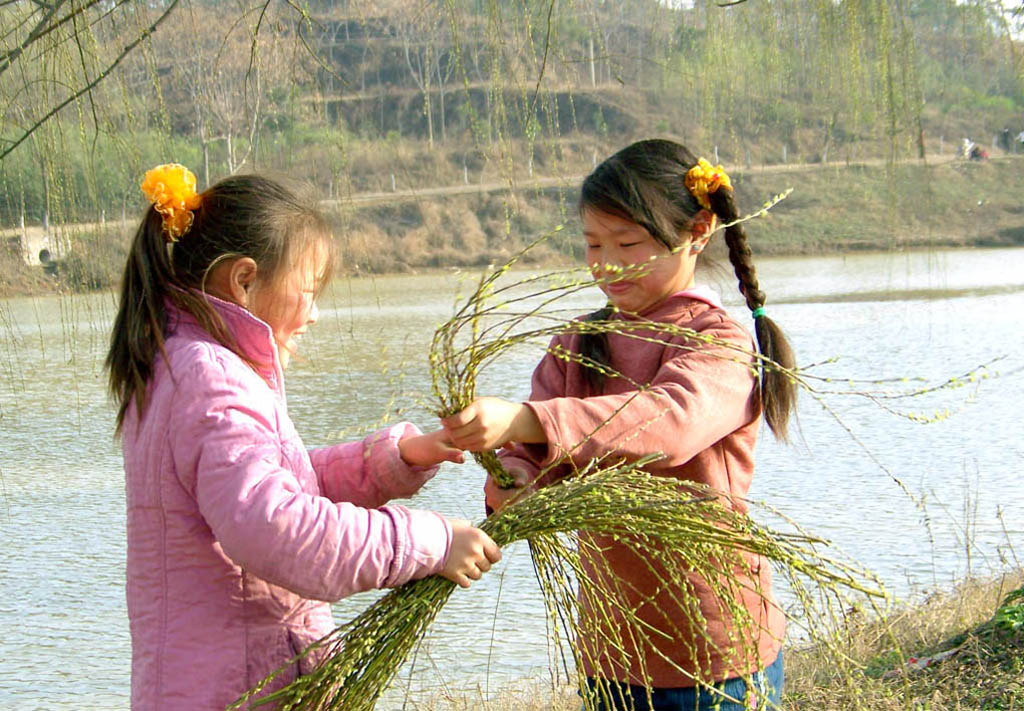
(927, 314)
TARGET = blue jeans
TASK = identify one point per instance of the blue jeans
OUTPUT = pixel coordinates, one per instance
(767, 685)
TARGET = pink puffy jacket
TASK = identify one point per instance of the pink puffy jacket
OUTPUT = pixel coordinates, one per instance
(237, 533)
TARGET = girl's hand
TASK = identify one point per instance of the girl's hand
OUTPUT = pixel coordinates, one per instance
(471, 555)
(429, 449)
(496, 498)
(490, 422)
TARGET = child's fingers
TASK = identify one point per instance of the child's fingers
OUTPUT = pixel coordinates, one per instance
(493, 552)
(455, 434)
(462, 574)
(453, 455)
(468, 437)
(447, 450)
(468, 574)
(443, 437)
(460, 419)
(497, 498)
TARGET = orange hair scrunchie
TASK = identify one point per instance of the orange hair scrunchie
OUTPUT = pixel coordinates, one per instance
(171, 188)
(703, 179)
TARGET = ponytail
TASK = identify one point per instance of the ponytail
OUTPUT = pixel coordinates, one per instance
(151, 281)
(778, 390)
(142, 316)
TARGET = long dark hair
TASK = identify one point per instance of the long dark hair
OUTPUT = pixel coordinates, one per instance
(644, 183)
(241, 216)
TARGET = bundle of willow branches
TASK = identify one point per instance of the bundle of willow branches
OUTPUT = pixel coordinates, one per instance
(682, 533)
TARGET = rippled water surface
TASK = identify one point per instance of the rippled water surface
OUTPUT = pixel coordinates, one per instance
(919, 504)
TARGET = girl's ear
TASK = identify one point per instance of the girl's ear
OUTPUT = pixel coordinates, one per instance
(704, 224)
(241, 277)
(232, 279)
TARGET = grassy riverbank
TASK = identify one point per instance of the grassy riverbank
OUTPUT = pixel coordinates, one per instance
(957, 649)
(973, 633)
(833, 208)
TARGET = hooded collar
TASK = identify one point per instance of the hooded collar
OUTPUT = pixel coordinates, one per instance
(700, 293)
(677, 303)
(254, 338)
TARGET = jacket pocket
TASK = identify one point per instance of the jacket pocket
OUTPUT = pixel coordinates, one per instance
(300, 641)
(270, 650)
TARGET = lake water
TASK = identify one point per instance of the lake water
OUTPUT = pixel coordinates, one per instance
(958, 507)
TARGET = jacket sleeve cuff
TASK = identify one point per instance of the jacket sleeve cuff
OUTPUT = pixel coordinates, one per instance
(392, 477)
(422, 543)
(544, 455)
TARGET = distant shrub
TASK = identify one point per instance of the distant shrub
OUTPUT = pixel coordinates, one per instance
(997, 104)
(94, 262)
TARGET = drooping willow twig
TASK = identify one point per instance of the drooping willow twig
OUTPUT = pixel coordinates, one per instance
(503, 313)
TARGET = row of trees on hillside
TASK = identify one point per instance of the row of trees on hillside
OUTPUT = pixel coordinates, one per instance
(93, 92)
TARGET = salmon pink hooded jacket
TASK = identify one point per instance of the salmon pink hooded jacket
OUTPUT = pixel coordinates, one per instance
(237, 533)
(699, 406)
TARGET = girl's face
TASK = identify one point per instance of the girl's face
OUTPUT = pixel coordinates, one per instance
(289, 306)
(634, 269)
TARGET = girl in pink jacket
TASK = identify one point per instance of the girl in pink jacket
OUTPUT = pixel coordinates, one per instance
(237, 534)
(648, 212)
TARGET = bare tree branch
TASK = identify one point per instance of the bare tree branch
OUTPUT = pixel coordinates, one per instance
(42, 27)
(544, 60)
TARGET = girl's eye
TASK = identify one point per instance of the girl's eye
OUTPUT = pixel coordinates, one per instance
(593, 246)
(629, 244)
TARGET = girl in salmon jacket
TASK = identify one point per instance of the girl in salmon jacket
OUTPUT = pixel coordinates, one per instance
(237, 534)
(648, 212)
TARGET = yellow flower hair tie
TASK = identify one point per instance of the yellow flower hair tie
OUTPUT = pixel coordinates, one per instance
(171, 188)
(703, 179)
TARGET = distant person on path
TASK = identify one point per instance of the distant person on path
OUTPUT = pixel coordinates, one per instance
(237, 532)
(972, 151)
(648, 212)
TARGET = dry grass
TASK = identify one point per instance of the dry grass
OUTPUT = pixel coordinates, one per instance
(987, 671)
(940, 205)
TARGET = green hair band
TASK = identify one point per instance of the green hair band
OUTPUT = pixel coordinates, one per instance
(758, 312)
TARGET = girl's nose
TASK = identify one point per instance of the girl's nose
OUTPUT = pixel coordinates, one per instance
(613, 264)
(602, 269)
